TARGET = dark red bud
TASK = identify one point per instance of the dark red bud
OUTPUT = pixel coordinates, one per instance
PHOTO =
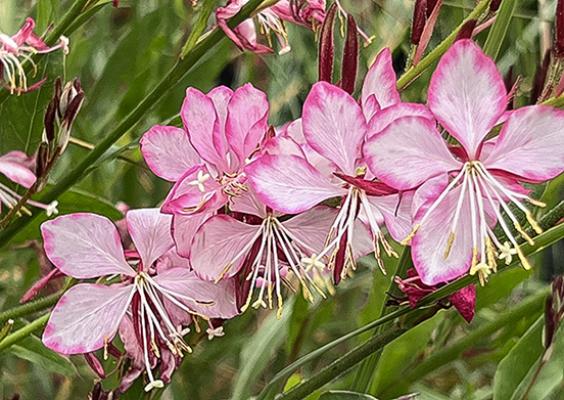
(95, 364)
(431, 4)
(42, 160)
(340, 259)
(466, 30)
(419, 19)
(49, 120)
(327, 46)
(559, 29)
(540, 78)
(494, 5)
(72, 109)
(350, 57)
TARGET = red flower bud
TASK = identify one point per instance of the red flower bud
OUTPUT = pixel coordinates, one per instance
(350, 57)
(327, 46)
(419, 19)
(559, 29)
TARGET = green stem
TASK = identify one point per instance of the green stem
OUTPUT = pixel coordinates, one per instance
(175, 74)
(31, 307)
(24, 332)
(412, 73)
(365, 374)
(531, 306)
(555, 102)
(352, 358)
(199, 27)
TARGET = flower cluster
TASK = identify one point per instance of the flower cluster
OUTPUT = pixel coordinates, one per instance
(255, 210)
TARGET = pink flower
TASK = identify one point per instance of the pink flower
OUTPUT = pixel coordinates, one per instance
(17, 167)
(464, 300)
(334, 129)
(462, 188)
(309, 13)
(155, 299)
(17, 49)
(265, 247)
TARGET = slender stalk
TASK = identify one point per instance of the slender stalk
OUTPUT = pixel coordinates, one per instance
(24, 332)
(365, 373)
(31, 307)
(175, 74)
(352, 358)
(413, 373)
(412, 73)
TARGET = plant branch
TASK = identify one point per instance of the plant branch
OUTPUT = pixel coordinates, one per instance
(24, 332)
(31, 307)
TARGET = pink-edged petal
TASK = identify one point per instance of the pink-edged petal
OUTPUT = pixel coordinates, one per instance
(248, 203)
(408, 152)
(221, 96)
(396, 211)
(382, 119)
(429, 245)
(379, 88)
(184, 227)
(16, 172)
(131, 345)
(246, 125)
(168, 152)
(334, 125)
(86, 317)
(214, 300)
(201, 121)
(217, 244)
(282, 145)
(150, 232)
(289, 184)
(467, 94)
(84, 246)
(530, 144)
(187, 197)
(311, 228)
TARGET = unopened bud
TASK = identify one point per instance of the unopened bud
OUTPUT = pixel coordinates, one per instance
(540, 78)
(327, 46)
(95, 365)
(494, 5)
(42, 161)
(559, 29)
(350, 57)
(419, 19)
(466, 30)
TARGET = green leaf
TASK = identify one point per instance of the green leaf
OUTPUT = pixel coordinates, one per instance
(32, 350)
(345, 395)
(258, 351)
(499, 29)
(517, 363)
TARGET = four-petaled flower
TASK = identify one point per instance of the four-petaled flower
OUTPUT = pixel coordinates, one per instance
(154, 298)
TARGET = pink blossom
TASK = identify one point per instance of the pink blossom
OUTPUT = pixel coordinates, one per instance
(462, 189)
(334, 127)
(156, 299)
(17, 49)
(18, 168)
(309, 13)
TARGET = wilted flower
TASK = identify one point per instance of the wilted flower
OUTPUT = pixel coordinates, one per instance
(270, 20)
(462, 188)
(19, 48)
(149, 305)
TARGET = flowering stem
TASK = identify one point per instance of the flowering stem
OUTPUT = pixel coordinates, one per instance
(412, 73)
(31, 307)
(531, 306)
(24, 332)
(175, 74)
(16, 208)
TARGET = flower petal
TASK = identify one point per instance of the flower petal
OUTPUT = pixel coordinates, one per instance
(150, 232)
(183, 282)
(246, 125)
(16, 171)
(379, 89)
(312, 227)
(84, 246)
(289, 183)
(201, 121)
(529, 144)
(221, 96)
(396, 211)
(408, 152)
(467, 94)
(430, 243)
(248, 203)
(334, 125)
(217, 243)
(184, 227)
(385, 117)
(168, 152)
(86, 317)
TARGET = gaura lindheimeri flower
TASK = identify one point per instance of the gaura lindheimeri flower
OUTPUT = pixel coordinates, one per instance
(335, 127)
(463, 190)
(17, 167)
(154, 298)
(464, 300)
(265, 247)
(309, 13)
(222, 129)
(16, 49)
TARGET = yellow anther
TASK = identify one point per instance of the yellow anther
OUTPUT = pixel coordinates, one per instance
(483, 270)
(523, 233)
(450, 241)
(407, 240)
(523, 259)
(534, 223)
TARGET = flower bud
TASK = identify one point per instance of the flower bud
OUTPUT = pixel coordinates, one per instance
(95, 364)
(494, 5)
(350, 57)
(327, 46)
(559, 30)
(540, 78)
(419, 19)
(466, 30)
